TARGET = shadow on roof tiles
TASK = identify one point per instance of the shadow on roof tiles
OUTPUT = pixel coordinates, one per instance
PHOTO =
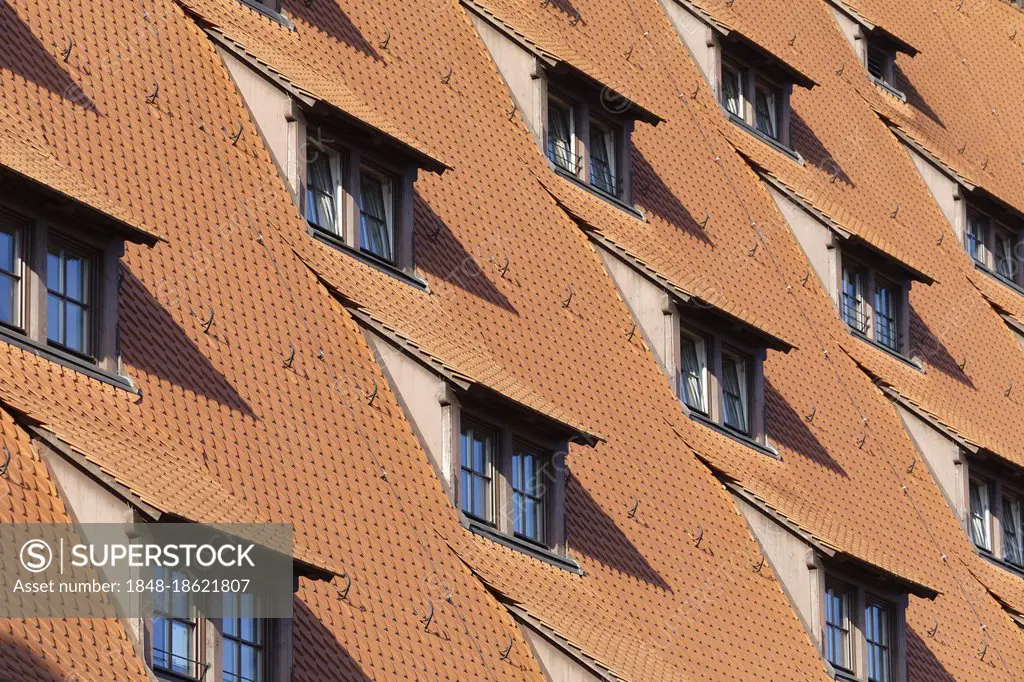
(22, 53)
(439, 252)
(788, 428)
(152, 341)
(929, 348)
(914, 98)
(564, 6)
(815, 152)
(592, 532)
(328, 16)
(319, 654)
(659, 199)
(19, 662)
(922, 661)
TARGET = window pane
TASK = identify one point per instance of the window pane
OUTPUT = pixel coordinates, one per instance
(75, 327)
(250, 664)
(851, 305)
(321, 187)
(1012, 530)
(732, 89)
(481, 497)
(979, 515)
(734, 393)
(602, 158)
(75, 277)
(837, 630)
(876, 635)
(877, 60)
(560, 136)
(8, 300)
(54, 272)
(231, 670)
(467, 492)
(377, 227)
(693, 362)
(181, 646)
(1006, 263)
(480, 455)
(54, 318)
(886, 329)
(161, 649)
(766, 111)
(976, 236)
(8, 251)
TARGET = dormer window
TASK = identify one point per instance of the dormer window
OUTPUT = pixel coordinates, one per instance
(375, 221)
(880, 63)
(69, 296)
(994, 514)
(860, 631)
(767, 100)
(873, 301)
(720, 378)
(586, 146)
(994, 245)
(756, 95)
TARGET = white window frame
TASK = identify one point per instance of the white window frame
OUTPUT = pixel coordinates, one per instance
(18, 305)
(986, 515)
(337, 176)
(702, 349)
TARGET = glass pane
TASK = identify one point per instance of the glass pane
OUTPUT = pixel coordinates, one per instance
(467, 492)
(231, 670)
(160, 648)
(517, 475)
(75, 332)
(1006, 265)
(250, 664)
(530, 510)
(979, 515)
(54, 272)
(481, 504)
(766, 112)
(517, 513)
(734, 393)
(560, 137)
(320, 196)
(8, 244)
(602, 158)
(247, 613)
(731, 91)
(181, 646)
(75, 278)
(692, 358)
(54, 319)
(480, 455)
(8, 299)
(530, 474)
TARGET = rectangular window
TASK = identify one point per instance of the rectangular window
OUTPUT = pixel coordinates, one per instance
(562, 135)
(851, 302)
(377, 210)
(10, 277)
(479, 447)
(1006, 253)
(980, 514)
(68, 297)
(528, 510)
(693, 372)
(1013, 533)
(766, 111)
(602, 158)
(323, 189)
(976, 237)
(174, 629)
(877, 634)
(243, 640)
(837, 626)
(887, 298)
(735, 392)
(732, 90)
(878, 62)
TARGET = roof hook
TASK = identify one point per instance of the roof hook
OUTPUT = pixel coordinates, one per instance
(700, 536)
(567, 301)
(863, 440)
(436, 233)
(806, 278)
(373, 394)
(942, 238)
(576, 19)
(629, 52)
(933, 629)
(291, 357)
(959, 6)
(507, 650)
(759, 565)
(429, 618)
(207, 323)
(151, 98)
(984, 164)
(7, 461)
(913, 465)
(636, 505)
(343, 594)
(1013, 36)
(308, 3)
(839, 71)
(895, 213)
(963, 148)
(984, 650)
(504, 268)
(962, 363)
(707, 219)
(753, 252)
(66, 52)
(387, 40)
(696, 91)
(792, 39)
(810, 417)
(448, 76)
(1009, 389)
(512, 112)
(237, 136)
(632, 331)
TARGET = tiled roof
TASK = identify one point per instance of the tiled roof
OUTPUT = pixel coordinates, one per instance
(87, 649)
(254, 376)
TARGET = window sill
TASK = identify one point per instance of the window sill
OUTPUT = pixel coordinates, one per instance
(1002, 563)
(563, 561)
(845, 676)
(269, 13)
(999, 278)
(740, 438)
(885, 349)
(613, 200)
(767, 139)
(369, 259)
(68, 360)
(172, 676)
(898, 94)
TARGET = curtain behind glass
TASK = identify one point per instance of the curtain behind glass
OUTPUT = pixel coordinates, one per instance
(693, 389)
(979, 507)
(764, 102)
(731, 91)
(1011, 531)
(376, 233)
(601, 142)
(320, 188)
(734, 395)
(560, 137)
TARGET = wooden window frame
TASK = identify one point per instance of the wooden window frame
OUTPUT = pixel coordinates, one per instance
(93, 259)
(19, 233)
(752, 80)
(263, 626)
(491, 475)
(860, 595)
(874, 278)
(1001, 484)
